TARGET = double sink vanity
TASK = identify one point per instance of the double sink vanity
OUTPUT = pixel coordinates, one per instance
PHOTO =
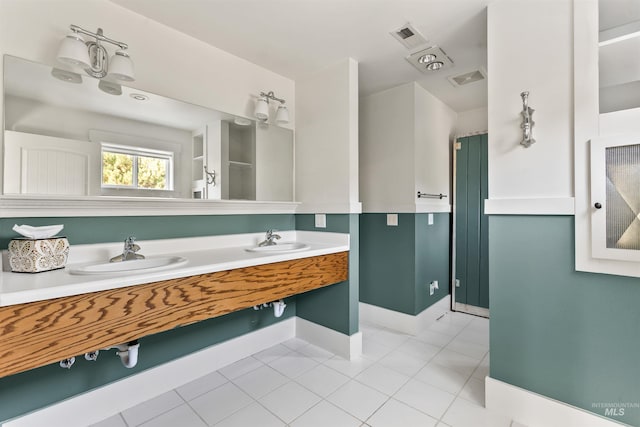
(93, 304)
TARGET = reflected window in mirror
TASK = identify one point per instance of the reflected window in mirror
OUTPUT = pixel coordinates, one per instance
(136, 168)
(59, 127)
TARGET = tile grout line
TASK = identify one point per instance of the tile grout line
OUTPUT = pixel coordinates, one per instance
(323, 362)
(160, 414)
(441, 419)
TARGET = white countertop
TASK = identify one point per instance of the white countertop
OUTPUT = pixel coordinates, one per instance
(204, 255)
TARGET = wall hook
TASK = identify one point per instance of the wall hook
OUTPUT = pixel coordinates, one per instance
(211, 176)
(527, 121)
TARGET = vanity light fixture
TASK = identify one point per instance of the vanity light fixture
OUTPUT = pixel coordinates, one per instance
(262, 108)
(93, 56)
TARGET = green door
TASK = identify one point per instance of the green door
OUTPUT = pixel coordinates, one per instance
(471, 266)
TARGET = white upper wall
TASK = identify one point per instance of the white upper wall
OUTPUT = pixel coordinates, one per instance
(472, 122)
(434, 128)
(529, 49)
(326, 153)
(386, 149)
(624, 121)
(166, 61)
(405, 148)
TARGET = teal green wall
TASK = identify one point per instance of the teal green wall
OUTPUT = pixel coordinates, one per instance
(432, 259)
(81, 230)
(568, 335)
(336, 306)
(397, 263)
(387, 262)
(49, 384)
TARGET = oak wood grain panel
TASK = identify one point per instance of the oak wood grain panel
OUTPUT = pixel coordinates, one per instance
(38, 333)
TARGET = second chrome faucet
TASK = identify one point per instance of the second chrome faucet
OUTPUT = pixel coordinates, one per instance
(269, 238)
(129, 252)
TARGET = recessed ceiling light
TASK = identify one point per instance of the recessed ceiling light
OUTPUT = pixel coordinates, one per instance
(139, 96)
(435, 66)
(429, 57)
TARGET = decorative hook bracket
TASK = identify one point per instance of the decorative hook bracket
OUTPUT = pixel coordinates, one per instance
(527, 121)
(211, 176)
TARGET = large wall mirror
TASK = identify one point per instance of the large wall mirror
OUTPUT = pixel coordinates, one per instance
(69, 135)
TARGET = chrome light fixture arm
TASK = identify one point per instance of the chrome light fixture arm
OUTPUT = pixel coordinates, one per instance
(527, 121)
(262, 108)
(98, 36)
(95, 59)
(270, 95)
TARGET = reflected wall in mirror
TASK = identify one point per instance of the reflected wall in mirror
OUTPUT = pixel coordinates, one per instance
(619, 63)
(67, 134)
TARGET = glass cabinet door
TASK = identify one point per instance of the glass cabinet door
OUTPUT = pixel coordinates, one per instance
(615, 197)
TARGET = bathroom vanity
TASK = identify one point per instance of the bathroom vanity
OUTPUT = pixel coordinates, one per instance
(51, 316)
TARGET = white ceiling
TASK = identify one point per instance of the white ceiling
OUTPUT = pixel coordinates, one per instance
(297, 37)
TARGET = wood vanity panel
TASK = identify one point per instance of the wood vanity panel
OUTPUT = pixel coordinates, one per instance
(43, 332)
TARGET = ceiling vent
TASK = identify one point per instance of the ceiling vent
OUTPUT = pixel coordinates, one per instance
(430, 59)
(466, 78)
(409, 36)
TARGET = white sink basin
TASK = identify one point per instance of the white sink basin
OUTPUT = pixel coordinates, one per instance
(131, 266)
(280, 248)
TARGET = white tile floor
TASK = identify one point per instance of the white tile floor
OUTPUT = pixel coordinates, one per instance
(435, 378)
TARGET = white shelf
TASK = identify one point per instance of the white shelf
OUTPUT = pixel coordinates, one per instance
(242, 164)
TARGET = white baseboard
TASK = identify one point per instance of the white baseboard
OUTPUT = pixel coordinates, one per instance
(96, 405)
(471, 309)
(349, 347)
(402, 322)
(535, 410)
(101, 403)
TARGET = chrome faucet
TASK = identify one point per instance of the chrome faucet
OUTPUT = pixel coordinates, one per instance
(269, 237)
(129, 251)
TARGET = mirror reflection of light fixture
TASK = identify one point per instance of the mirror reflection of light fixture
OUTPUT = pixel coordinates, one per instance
(262, 108)
(110, 87)
(241, 121)
(66, 76)
(93, 56)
